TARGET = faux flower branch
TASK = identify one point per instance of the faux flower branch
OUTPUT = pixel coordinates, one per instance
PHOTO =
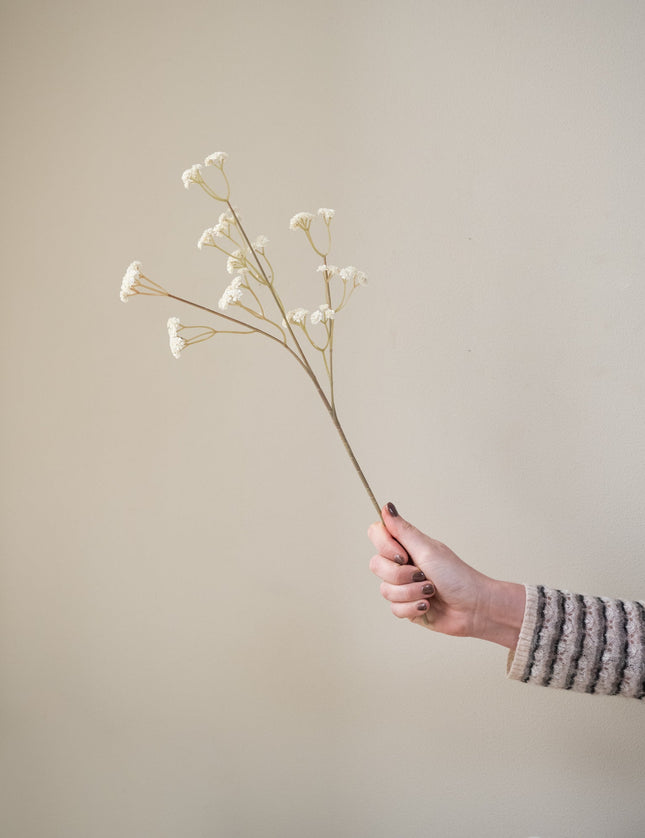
(252, 293)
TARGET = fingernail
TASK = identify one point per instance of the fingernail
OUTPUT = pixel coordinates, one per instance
(392, 510)
(399, 559)
(418, 576)
(428, 589)
(422, 606)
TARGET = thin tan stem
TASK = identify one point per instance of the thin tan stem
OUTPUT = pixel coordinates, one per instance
(331, 332)
(233, 320)
(271, 288)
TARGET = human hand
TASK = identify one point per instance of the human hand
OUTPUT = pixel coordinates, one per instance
(460, 601)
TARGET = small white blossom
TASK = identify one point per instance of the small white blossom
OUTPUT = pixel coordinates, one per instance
(302, 221)
(297, 315)
(326, 214)
(207, 238)
(330, 270)
(232, 294)
(322, 314)
(352, 274)
(236, 262)
(130, 279)
(223, 226)
(216, 159)
(176, 343)
(260, 243)
(193, 175)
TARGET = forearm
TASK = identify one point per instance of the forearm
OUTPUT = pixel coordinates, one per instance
(500, 612)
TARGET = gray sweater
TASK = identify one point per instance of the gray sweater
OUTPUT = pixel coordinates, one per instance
(582, 643)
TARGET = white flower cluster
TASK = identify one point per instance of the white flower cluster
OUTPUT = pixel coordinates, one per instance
(177, 343)
(222, 228)
(322, 314)
(330, 270)
(207, 238)
(236, 262)
(194, 174)
(232, 294)
(351, 274)
(216, 159)
(301, 221)
(260, 243)
(297, 316)
(130, 279)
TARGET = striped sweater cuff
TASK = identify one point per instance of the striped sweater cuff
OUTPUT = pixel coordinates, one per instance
(581, 643)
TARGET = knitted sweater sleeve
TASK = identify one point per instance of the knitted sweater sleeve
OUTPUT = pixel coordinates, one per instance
(582, 643)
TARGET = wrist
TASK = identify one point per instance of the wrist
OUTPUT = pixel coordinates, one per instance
(501, 614)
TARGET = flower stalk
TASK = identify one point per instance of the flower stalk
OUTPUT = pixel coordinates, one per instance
(254, 281)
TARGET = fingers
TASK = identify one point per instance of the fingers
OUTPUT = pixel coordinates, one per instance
(410, 610)
(404, 586)
(412, 593)
(395, 574)
(408, 601)
(386, 544)
(402, 532)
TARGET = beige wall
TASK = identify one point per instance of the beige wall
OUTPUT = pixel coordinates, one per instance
(191, 643)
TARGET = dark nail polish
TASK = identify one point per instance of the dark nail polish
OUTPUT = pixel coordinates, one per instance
(418, 576)
(428, 589)
(422, 606)
(399, 559)
(392, 510)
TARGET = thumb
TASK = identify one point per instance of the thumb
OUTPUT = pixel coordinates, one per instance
(403, 531)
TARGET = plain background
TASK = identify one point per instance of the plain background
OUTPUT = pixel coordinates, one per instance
(191, 642)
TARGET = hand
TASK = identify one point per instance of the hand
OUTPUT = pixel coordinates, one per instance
(461, 601)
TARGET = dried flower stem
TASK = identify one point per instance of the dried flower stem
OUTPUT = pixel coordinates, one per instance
(330, 406)
(180, 336)
(312, 375)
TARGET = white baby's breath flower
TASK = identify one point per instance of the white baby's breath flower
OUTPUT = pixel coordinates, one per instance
(322, 314)
(176, 343)
(297, 315)
(216, 159)
(207, 238)
(260, 243)
(223, 226)
(352, 274)
(236, 262)
(330, 270)
(326, 214)
(130, 279)
(193, 175)
(232, 294)
(301, 221)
